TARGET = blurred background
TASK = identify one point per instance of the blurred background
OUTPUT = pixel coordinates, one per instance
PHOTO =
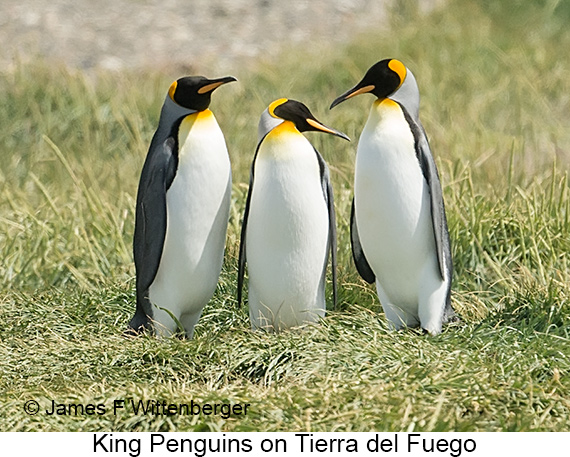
(115, 34)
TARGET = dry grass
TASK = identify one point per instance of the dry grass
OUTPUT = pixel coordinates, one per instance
(495, 105)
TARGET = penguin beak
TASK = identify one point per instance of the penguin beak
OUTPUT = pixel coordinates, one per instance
(316, 125)
(215, 83)
(356, 90)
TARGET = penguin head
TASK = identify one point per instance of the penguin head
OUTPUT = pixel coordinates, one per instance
(194, 92)
(383, 79)
(283, 109)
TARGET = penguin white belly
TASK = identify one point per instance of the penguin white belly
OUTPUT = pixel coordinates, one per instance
(197, 203)
(287, 235)
(392, 210)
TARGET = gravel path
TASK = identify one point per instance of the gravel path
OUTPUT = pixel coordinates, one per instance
(116, 34)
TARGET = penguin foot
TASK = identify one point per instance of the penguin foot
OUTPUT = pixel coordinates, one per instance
(138, 326)
(452, 318)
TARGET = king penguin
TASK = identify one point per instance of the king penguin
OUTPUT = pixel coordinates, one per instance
(182, 211)
(399, 233)
(289, 224)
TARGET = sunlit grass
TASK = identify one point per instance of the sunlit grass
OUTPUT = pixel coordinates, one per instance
(495, 104)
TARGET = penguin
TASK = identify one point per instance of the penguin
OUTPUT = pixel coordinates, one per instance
(182, 211)
(399, 233)
(289, 227)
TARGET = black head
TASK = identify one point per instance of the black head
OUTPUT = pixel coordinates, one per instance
(301, 116)
(382, 79)
(194, 92)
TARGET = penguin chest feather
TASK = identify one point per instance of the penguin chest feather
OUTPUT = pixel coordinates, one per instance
(287, 232)
(197, 205)
(392, 203)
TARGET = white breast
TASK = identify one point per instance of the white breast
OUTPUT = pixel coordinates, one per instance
(287, 234)
(197, 216)
(392, 204)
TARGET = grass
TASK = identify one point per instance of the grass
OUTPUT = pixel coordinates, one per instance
(495, 104)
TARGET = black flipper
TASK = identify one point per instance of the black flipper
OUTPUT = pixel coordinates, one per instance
(329, 198)
(242, 257)
(439, 220)
(150, 224)
(360, 261)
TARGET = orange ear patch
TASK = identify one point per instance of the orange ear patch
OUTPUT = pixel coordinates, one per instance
(172, 89)
(274, 105)
(399, 68)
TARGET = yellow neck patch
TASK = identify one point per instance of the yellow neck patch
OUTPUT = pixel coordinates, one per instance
(283, 129)
(193, 120)
(279, 141)
(386, 103)
(274, 105)
(399, 68)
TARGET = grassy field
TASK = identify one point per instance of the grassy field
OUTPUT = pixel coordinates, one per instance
(496, 106)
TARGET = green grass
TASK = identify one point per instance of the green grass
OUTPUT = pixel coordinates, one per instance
(495, 105)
